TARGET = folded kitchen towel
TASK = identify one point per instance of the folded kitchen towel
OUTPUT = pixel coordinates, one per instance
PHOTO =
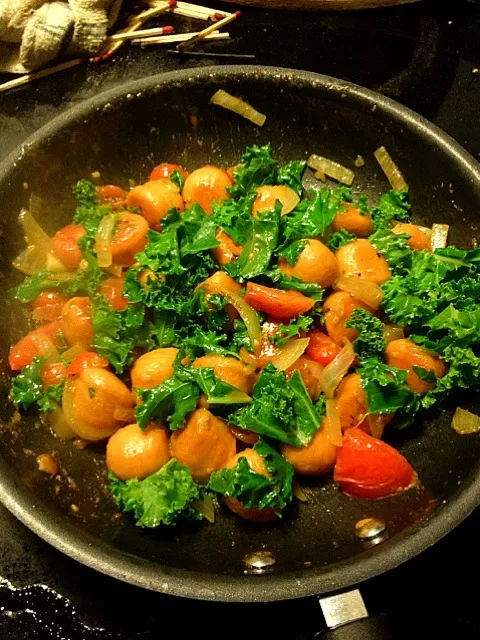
(33, 32)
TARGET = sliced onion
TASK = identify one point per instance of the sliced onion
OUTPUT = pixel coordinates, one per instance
(438, 239)
(367, 292)
(53, 264)
(244, 435)
(124, 414)
(227, 101)
(206, 507)
(331, 169)
(320, 175)
(74, 351)
(465, 422)
(46, 348)
(376, 424)
(393, 332)
(36, 205)
(331, 424)
(115, 270)
(390, 169)
(290, 353)
(103, 240)
(289, 202)
(56, 419)
(34, 234)
(30, 261)
(298, 491)
(247, 357)
(334, 372)
(247, 314)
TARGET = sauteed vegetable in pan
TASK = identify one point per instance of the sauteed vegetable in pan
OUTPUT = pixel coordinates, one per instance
(224, 331)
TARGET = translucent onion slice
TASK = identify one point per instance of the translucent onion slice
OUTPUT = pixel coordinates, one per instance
(290, 353)
(331, 169)
(46, 348)
(289, 202)
(298, 491)
(34, 234)
(30, 261)
(376, 424)
(438, 239)
(206, 507)
(393, 332)
(103, 240)
(227, 101)
(247, 357)
(390, 169)
(56, 419)
(247, 314)
(334, 372)
(115, 270)
(53, 264)
(331, 424)
(74, 351)
(367, 292)
(465, 422)
(319, 175)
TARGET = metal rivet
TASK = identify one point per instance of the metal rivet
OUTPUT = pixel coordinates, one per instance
(369, 528)
(259, 561)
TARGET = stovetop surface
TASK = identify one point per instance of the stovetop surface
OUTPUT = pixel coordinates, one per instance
(426, 56)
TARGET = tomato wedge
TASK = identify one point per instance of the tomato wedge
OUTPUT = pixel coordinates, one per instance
(166, 169)
(65, 245)
(84, 361)
(277, 303)
(26, 349)
(111, 195)
(47, 307)
(52, 373)
(369, 468)
(111, 290)
(321, 348)
(130, 238)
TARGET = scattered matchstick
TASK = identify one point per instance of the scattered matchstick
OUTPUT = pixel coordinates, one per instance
(210, 54)
(201, 35)
(30, 77)
(179, 37)
(160, 31)
(162, 7)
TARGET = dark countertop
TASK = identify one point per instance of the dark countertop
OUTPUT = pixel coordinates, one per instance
(422, 55)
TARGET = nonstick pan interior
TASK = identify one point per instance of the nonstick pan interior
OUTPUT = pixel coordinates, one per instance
(123, 134)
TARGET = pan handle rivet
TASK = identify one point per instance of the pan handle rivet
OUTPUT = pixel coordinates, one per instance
(258, 561)
(369, 528)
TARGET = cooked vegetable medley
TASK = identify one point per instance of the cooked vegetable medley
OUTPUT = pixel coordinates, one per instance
(223, 330)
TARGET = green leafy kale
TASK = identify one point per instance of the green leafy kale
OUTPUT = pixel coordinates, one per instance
(173, 400)
(290, 175)
(261, 242)
(234, 217)
(286, 331)
(292, 251)
(281, 409)
(370, 342)
(27, 388)
(177, 178)
(313, 216)
(257, 168)
(164, 498)
(282, 281)
(253, 489)
(393, 207)
(387, 390)
(394, 248)
(119, 333)
(339, 239)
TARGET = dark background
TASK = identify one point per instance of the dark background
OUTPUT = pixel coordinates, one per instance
(427, 57)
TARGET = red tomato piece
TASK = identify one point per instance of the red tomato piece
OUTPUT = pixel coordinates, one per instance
(369, 468)
(52, 373)
(321, 348)
(166, 169)
(47, 307)
(278, 303)
(111, 290)
(111, 195)
(26, 349)
(65, 245)
(84, 361)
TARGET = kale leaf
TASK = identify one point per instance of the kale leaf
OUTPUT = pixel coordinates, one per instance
(393, 207)
(370, 342)
(27, 388)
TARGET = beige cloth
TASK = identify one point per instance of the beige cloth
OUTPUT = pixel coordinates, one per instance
(35, 31)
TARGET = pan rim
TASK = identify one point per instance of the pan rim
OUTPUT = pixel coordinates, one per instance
(113, 562)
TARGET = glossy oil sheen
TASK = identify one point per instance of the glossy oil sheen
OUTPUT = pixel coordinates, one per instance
(123, 134)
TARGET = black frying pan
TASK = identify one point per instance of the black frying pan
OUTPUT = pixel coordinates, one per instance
(123, 133)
